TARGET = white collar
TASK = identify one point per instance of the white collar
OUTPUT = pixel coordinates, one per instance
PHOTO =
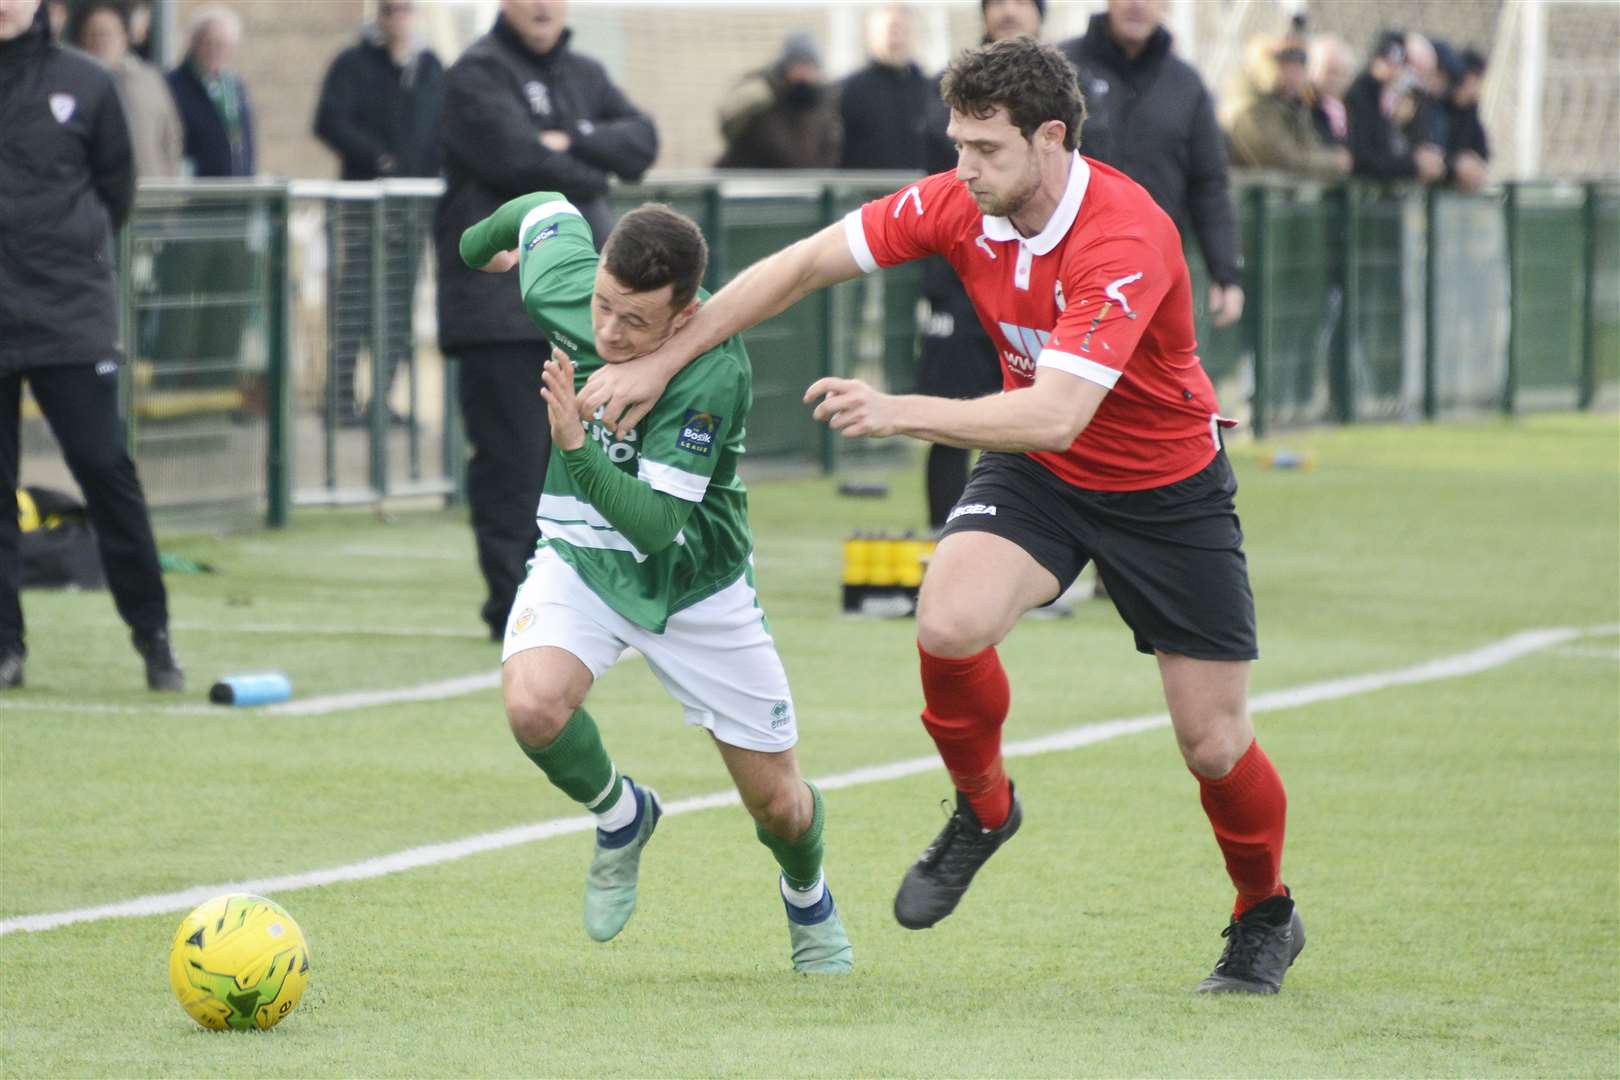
(1057, 227)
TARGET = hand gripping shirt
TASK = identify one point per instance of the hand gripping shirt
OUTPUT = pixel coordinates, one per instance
(687, 446)
(1102, 293)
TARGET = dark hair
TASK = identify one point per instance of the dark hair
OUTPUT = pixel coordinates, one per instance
(1473, 61)
(79, 16)
(1390, 45)
(1032, 81)
(653, 246)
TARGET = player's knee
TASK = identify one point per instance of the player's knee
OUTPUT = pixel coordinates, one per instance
(784, 811)
(943, 630)
(537, 712)
(1212, 750)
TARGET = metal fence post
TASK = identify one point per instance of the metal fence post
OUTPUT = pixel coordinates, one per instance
(278, 384)
(329, 402)
(377, 411)
(1589, 225)
(1259, 310)
(714, 224)
(1510, 383)
(1431, 290)
(1344, 358)
(829, 325)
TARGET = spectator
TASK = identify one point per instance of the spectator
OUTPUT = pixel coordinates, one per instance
(1376, 108)
(140, 30)
(1151, 117)
(1005, 19)
(783, 116)
(1468, 151)
(213, 99)
(101, 28)
(379, 105)
(1420, 113)
(888, 105)
(1332, 67)
(1275, 131)
(522, 112)
(378, 112)
(59, 319)
(956, 358)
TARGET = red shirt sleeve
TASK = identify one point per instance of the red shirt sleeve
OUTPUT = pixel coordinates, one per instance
(1111, 291)
(906, 225)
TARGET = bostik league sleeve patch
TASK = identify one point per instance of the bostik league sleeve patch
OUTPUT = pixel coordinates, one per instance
(698, 432)
(544, 234)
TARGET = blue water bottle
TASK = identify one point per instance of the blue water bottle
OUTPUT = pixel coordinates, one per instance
(259, 688)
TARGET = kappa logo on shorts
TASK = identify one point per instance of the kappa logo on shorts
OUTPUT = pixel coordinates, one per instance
(524, 620)
(971, 508)
(698, 431)
(544, 234)
(781, 715)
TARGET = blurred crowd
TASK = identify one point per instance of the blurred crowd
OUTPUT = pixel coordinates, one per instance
(1300, 106)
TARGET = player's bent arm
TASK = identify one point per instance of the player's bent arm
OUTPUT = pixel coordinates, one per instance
(648, 519)
(767, 288)
(1047, 416)
(499, 232)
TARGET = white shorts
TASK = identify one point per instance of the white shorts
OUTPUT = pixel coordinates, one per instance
(716, 658)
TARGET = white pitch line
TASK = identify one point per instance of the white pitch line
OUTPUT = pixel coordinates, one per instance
(459, 686)
(307, 630)
(1472, 662)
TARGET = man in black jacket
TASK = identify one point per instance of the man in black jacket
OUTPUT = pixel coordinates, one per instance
(522, 112)
(888, 105)
(379, 113)
(67, 179)
(1151, 117)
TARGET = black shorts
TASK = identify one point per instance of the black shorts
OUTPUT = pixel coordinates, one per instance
(1171, 557)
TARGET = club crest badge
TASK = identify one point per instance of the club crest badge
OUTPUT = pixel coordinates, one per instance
(62, 106)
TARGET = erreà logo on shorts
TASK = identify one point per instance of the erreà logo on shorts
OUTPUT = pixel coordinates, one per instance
(971, 508)
(698, 431)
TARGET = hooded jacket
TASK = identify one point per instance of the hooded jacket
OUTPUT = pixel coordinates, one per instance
(372, 108)
(67, 181)
(499, 97)
(1153, 119)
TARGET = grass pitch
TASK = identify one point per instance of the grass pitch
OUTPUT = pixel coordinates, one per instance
(1454, 845)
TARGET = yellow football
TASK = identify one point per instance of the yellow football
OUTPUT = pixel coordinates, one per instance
(239, 961)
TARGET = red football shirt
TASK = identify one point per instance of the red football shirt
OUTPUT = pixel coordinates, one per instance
(1102, 293)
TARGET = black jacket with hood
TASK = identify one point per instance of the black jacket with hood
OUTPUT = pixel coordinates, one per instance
(67, 181)
(499, 97)
(1153, 119)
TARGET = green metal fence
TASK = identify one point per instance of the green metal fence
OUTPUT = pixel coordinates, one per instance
(258, 314)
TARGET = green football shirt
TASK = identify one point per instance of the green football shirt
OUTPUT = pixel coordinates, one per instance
(687, 446)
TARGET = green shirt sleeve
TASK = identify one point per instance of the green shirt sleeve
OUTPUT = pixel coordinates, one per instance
(648, 519)
(556, 262)
(700, 415)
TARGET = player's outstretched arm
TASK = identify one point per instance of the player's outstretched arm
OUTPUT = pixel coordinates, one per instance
(625, 392)
(1049, 415)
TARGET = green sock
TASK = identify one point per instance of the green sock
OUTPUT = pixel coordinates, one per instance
(799, 859)
(578, 763)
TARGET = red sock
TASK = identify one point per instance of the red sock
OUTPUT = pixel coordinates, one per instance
(966, 703)
(1249, 811)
